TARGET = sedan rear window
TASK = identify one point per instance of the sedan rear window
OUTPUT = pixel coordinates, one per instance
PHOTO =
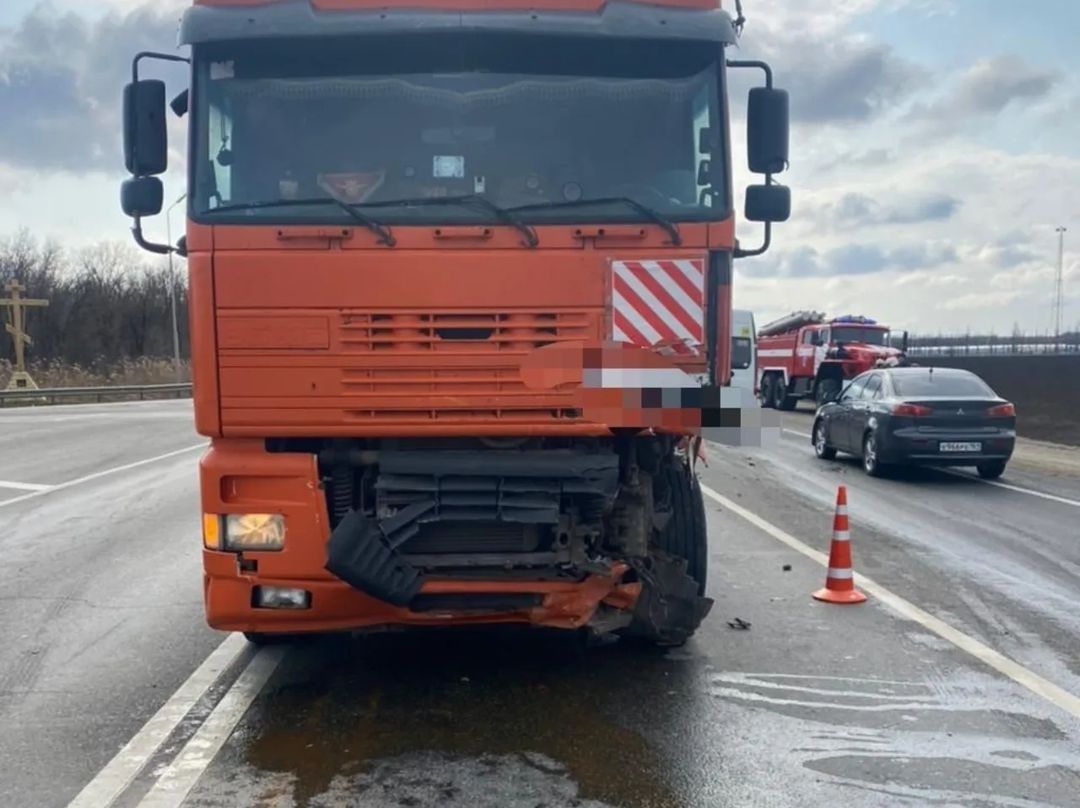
(909, 385)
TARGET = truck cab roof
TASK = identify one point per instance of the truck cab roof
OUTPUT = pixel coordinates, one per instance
(225, 20)
(462, 5)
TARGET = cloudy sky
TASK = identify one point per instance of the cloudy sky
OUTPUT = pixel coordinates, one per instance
(936, 146)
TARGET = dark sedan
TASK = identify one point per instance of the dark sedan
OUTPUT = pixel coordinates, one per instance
(925, 416)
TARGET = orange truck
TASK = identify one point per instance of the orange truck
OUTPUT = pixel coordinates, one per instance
(460, 303)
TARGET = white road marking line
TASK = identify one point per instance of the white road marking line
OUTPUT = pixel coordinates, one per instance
(1009, 487)
(23, 486)
(99, 474)
(997, 484)
(176, 782)
(1041, 687)
(119, 773)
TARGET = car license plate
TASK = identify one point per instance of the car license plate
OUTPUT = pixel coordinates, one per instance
(960, 447)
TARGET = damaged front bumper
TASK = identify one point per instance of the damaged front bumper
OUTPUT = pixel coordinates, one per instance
(336, 606)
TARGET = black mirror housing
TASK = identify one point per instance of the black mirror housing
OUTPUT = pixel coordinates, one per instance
(767, 125)
(146, 145)
(181, 104)
(768, 203)
(142, 196)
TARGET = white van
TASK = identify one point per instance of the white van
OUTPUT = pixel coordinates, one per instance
(743, 350)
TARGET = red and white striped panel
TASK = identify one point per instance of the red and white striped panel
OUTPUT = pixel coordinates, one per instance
(659, 303)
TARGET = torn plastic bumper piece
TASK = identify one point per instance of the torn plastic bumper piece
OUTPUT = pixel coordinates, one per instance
(359, 554)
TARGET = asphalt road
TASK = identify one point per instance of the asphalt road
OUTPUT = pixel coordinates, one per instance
(956, 684)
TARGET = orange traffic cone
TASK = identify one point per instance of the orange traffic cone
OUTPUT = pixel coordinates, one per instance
(840, 580)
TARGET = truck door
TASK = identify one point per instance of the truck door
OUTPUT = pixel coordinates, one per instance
(821, 350)
(804, 354)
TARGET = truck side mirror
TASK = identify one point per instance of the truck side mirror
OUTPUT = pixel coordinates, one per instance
(146, 145)
(768, 203)
(767, 124)
(142, 196)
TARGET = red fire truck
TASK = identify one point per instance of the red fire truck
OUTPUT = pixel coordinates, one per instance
(805, 355)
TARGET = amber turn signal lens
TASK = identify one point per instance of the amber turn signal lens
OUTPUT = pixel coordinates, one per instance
(211, 531)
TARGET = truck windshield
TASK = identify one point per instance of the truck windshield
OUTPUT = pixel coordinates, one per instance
(867, 336)
(517, 121)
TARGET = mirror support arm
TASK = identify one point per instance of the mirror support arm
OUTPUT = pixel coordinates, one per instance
(764, 67)
(136, 229)
(765, 244)
(164, 57)
(149, 246)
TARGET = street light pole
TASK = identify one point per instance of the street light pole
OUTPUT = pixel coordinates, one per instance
(172, 289)
(1059, 286)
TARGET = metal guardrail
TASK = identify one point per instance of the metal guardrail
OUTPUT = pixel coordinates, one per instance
(96, 394)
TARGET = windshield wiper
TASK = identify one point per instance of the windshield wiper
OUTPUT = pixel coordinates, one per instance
(502, 214)
(652, 215)
(382, 231)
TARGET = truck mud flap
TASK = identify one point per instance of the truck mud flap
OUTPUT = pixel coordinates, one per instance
(670, 609)
(359, 554)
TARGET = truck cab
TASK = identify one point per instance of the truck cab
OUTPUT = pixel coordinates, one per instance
(460, 280)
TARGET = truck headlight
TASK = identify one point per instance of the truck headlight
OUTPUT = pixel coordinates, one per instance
(254, 531)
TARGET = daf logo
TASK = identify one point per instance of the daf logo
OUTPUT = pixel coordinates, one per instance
(959, 412)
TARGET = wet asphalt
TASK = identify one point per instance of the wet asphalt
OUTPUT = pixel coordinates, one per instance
(811, 705)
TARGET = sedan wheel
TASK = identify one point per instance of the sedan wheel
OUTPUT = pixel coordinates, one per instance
(871, 463)
(991, 470)
(821, 444)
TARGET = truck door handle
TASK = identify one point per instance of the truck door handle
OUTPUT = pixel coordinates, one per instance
(481, 233)
(309, 233)
(610, 232)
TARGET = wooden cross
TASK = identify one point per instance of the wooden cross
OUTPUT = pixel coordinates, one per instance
(16, 325)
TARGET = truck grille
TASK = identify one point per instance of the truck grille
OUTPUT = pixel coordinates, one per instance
(437, 538)
(453, 365)
(457, 332)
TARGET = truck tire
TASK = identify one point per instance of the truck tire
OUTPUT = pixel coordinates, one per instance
(824, 388)
(767, 390)
(672, 603)
(783, 401)
(684, 535)
(779, 392)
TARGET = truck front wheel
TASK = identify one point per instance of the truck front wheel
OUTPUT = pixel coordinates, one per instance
(767, 390)
(672, 602)
(781, 399)
(826, 391)
(685, 535)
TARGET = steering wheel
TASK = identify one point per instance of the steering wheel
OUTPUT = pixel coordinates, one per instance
(645, 194)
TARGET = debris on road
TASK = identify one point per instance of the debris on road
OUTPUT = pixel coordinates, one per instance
(739, 624)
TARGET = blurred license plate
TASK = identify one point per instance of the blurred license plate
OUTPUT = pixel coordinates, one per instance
(960, 447)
